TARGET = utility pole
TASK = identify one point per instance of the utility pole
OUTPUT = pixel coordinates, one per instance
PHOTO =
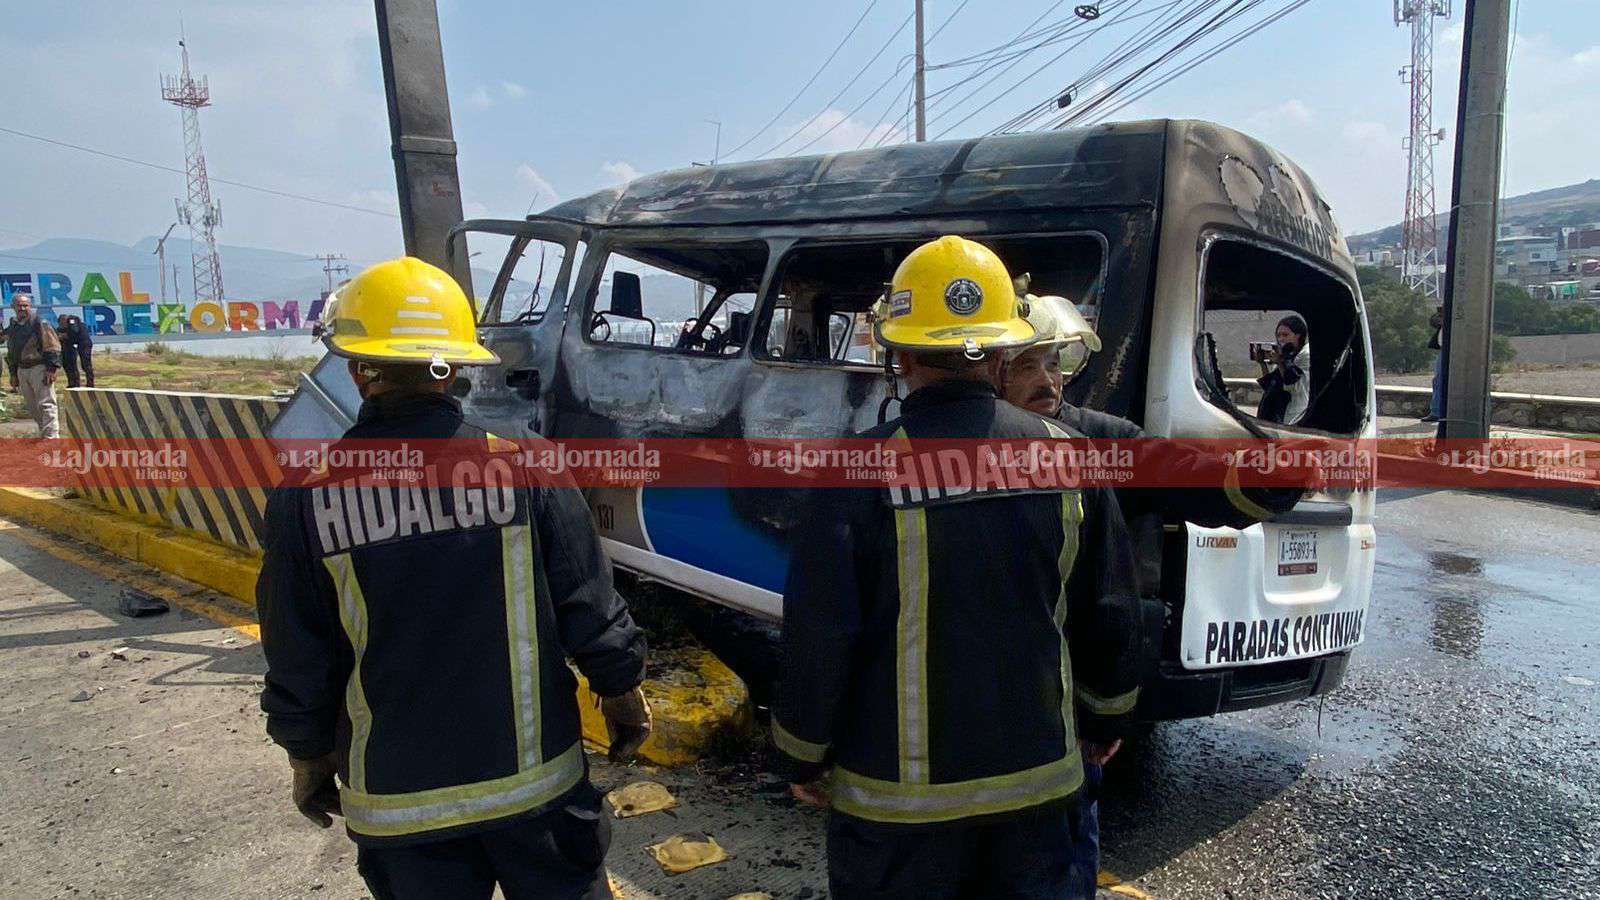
(422, 140)
(921, 81)
(333, 263)
(1475, 208)
(161, 260)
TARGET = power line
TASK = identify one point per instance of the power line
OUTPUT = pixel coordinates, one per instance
(905, 92)
(947, 20)
(1103, 23)
(1103, 97)
(857, 108)
(894, 103)
(238, 184)
(849, 84)
(1062, 32)
(1172, 15)
(990, 55)
(809, 82)
(1090, 115)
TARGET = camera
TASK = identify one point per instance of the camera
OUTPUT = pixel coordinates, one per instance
(1263, 351)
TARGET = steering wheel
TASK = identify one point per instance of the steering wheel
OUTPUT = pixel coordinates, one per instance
(703, 341)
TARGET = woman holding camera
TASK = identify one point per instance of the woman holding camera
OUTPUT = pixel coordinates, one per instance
(1285, 377)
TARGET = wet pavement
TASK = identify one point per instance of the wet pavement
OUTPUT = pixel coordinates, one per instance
(1459, 759)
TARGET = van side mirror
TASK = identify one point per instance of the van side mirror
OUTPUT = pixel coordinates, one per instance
(627, 299)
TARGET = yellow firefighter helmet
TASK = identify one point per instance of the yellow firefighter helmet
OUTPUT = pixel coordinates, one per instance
(953, 294)
(405, 311)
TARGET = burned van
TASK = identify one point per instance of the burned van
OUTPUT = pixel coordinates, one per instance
(733, 301)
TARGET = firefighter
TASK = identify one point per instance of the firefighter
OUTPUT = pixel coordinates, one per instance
(947, 644)
(1034, 378)
(416, 636)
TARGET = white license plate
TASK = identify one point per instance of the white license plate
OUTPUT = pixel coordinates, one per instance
(1297, 552)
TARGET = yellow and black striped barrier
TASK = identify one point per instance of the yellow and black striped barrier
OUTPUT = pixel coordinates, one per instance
(228, 434)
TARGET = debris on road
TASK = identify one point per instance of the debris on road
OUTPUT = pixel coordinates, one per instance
(686, 852)
(640, 798)
(120, 653)
(79, 697)
(134, 603)
(83, 654)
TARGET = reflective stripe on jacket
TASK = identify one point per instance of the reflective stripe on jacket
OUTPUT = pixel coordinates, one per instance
(424, 632)
(944, 656)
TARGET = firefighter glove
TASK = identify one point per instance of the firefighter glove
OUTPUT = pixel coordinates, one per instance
(316, 793)
(627, 723)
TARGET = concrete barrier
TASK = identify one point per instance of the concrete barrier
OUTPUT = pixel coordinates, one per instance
(214, 423)
(1536, 412)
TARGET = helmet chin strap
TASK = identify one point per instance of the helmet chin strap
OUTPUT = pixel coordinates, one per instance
(438, 368)
(893, 392)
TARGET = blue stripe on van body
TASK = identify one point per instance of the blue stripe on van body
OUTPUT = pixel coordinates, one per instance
(698, 526)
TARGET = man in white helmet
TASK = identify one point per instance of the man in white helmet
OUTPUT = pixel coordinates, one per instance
(1035, 378)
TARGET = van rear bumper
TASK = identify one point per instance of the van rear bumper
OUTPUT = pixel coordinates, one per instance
(1178, 693)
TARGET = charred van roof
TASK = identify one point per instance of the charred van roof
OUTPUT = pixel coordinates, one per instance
(1105, 165)
(1223, 177)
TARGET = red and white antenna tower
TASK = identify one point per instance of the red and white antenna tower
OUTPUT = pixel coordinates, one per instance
(199, 211)
(1420, 242)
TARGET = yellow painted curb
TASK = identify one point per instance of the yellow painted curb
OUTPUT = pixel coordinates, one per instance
(695, 702)
(223, 569)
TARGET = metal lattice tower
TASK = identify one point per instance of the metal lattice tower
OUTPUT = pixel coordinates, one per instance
(1420, 242)
(199, 211)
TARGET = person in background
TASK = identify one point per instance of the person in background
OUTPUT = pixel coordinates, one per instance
(1436, 342)
(33, 355)
(1285, 373)
(77, 348)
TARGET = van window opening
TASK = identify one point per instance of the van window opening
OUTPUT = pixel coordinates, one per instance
(821, 312)
(533, 279)
(690, 299)
(1317, 380)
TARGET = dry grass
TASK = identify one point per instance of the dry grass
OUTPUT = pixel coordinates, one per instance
(161, 368)
(1565, 381)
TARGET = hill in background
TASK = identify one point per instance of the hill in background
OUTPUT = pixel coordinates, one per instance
(1575, 204)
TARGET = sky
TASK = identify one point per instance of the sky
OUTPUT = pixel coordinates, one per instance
(554, 100)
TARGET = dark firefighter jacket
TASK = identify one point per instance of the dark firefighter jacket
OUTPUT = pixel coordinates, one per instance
(423, 634)
(935, 649)
(1146, 509)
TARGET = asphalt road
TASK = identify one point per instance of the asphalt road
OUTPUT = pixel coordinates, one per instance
(1458, 760)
